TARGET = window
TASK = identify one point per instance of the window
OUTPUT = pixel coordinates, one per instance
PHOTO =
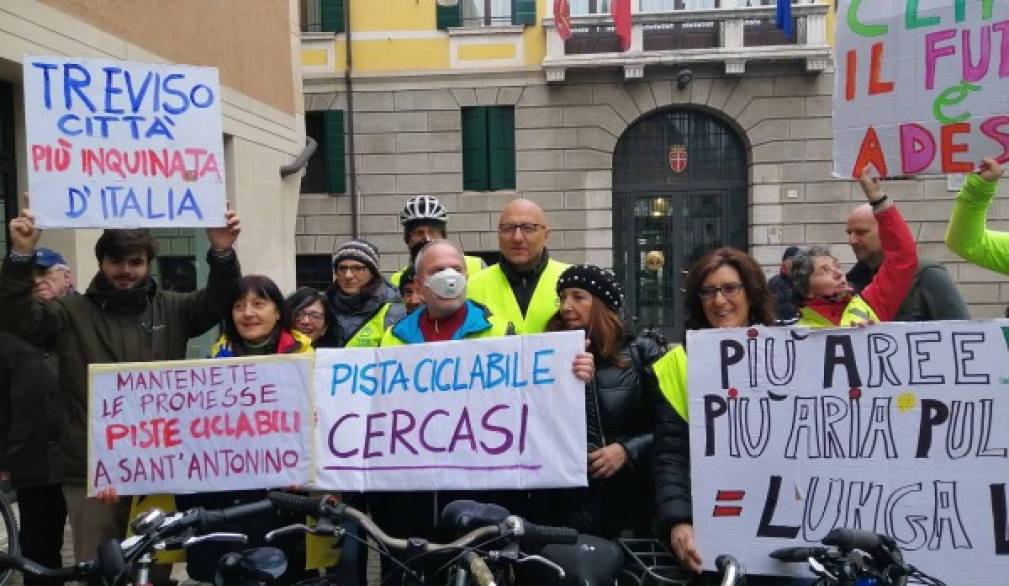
(321, 16)
(488, 148)
(326, 172)
(478, 13)
(314, 270)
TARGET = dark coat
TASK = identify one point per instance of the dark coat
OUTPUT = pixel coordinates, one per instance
(99, 327)
(349, 315)
(933, 295)
(671, 470)
(620, 407)
(31, 412)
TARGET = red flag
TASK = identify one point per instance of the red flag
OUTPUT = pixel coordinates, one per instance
(621, 10)
(562, 19)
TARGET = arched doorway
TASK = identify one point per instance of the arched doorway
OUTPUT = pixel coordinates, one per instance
(679, 190)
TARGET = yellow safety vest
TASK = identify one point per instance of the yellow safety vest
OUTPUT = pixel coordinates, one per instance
(491, 288)
(856, 313)
(474, 264)
(671, 372)
(369, 335)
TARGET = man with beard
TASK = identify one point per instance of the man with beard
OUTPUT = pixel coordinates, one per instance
(424, 219)
(122, 317)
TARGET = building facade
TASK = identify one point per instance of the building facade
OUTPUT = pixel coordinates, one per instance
(255, 45)
(714, 128)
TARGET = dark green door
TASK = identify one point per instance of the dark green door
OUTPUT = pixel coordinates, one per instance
(679, 191)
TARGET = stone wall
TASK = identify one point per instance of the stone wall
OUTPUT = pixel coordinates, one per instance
(409, 142)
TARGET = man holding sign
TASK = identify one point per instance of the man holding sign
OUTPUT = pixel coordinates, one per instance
(122, 317)
(446, 315)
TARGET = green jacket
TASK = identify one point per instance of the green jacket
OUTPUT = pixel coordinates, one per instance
(97, 328)
(967, 235)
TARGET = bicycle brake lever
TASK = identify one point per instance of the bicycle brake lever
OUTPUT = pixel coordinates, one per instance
(323, 527)
(819, 569)
(222, 537)
(538, 558)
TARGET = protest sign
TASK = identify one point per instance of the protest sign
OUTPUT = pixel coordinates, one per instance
(920, 86)
(895, 428)
(474, 414)
(200, 425)
(119, 144)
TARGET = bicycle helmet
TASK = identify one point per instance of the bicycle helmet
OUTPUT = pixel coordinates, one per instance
(423, 208)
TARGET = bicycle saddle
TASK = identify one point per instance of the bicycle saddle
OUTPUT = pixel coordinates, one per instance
(593, 560)
(257, 564)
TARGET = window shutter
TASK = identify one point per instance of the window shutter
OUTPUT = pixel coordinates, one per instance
(475, 172)
(336, 176)
(332, 16)
(524, 12)
(501, 131)
(449, 15)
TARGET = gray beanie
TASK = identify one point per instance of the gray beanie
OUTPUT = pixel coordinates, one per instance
(362, 251)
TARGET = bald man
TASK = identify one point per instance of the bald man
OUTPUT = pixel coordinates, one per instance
(933, 295)
(522, 288)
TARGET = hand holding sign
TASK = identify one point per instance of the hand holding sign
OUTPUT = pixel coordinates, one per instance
(24, 235)
(991, 170)
(224, 238)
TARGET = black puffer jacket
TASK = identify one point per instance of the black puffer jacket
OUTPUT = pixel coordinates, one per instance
(625, 412)
(31, 412)
(671, 469)
(618, 409)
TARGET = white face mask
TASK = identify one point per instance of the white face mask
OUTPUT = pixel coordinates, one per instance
(448, 284)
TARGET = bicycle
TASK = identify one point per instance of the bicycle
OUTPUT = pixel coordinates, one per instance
(855, 557)
(469, 562)
(129, 561)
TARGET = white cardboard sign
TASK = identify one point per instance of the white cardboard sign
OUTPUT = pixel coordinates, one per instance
(894, 428)
(119, 144)
(501, 413)
(200, 425)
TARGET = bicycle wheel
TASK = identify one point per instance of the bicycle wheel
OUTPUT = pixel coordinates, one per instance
(9, 542)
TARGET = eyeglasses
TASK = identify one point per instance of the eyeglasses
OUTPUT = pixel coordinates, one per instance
(508, 229)
(727, 290)
(352, 269)
(317, 316)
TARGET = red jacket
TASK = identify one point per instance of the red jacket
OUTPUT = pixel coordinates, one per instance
(892, 282)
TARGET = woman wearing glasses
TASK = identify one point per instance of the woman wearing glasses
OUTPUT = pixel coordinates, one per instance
(364, 304)
(822, 289)
(725, 289)
(310, 313)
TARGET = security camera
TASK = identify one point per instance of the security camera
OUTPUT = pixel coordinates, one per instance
(683, 78)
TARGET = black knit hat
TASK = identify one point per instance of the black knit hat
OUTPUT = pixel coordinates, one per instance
(601, 283)
(360, 250)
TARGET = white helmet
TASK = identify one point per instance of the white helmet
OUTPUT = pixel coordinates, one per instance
(423, 207)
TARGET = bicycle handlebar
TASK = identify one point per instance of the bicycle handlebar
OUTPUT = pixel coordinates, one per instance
(730, 569)
(798, 554)
(326, 506)
(27, 566)
(847, 539)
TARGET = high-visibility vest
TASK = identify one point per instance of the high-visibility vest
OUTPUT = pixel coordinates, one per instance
(857, 312)
(492, 289)
(671, 372)
(369, 335)
(474, 264)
